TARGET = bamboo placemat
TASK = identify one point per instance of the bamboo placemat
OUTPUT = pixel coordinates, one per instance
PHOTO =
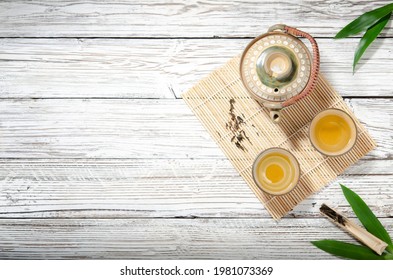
(222, 96)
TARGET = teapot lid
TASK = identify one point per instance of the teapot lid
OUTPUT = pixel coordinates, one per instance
(275, 66)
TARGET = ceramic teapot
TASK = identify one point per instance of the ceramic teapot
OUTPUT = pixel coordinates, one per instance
(277, 68)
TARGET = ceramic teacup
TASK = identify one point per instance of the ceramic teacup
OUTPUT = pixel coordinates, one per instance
(333, 132)
(276, 171)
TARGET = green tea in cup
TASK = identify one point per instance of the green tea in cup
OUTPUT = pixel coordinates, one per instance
(333, 132)
(276, 171)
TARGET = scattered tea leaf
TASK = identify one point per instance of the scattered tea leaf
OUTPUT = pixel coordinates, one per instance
(235, 126)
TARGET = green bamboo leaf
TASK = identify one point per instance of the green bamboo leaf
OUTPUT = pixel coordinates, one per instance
(347, 250)
(369, 37)
(365, 21)
(366, 216)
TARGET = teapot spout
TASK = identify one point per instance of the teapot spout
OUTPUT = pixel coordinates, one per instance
(275, 115)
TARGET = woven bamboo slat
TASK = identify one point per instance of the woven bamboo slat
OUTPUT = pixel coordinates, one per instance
(210, 100)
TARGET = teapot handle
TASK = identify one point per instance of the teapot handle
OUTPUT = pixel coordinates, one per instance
(315, 63)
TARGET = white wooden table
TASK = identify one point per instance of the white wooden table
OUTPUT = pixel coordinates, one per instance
(100, 157)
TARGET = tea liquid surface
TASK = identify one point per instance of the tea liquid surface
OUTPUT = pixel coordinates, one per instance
(275, 172)
(332, 133)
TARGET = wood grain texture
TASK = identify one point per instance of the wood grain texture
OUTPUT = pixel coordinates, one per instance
(143, 176)
(162, 68)
(106, 128)
(162, 18)
(157, 188)
(167, 238)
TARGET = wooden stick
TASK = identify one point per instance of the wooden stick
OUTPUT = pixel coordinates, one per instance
(373, 242)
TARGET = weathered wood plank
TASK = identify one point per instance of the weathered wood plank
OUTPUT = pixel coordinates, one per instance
(163, 128)
(155, 188)
(160, 18)
(167, 238)
(141, 68)
(58, 157)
